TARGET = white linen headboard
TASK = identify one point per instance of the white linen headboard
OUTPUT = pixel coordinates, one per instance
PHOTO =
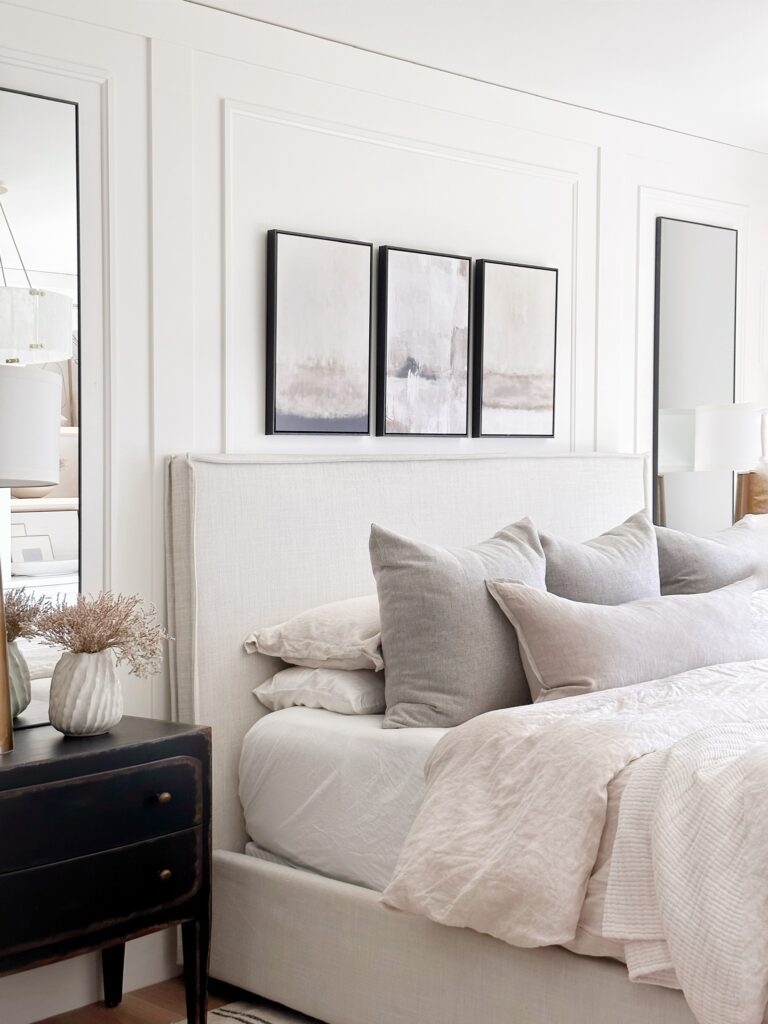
(251, 541)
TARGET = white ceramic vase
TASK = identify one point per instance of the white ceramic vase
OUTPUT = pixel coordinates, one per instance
(21, 685)
(86, 696)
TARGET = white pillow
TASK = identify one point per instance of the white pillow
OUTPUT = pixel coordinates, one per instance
(346, 693)
(343, 635)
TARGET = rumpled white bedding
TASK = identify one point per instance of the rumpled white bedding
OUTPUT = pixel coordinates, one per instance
(513, 823)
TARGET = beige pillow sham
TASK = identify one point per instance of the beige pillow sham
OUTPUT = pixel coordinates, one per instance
(341, 635)
(569, 648)
(345, 693)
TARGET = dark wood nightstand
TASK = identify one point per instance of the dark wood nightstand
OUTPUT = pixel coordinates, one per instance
(103, 839)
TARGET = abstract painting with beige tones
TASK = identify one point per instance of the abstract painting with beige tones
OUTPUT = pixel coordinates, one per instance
(516, 347)
(322, 336)
(426, 336)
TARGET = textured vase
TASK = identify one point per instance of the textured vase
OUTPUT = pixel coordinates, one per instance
(21, 686)
(86, 697)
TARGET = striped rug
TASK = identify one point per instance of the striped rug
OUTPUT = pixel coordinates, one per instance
(258, 1012)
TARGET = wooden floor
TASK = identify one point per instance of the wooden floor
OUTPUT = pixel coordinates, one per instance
(158, 1004)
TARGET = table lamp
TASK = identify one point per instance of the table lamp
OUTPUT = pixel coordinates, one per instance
(30, 413)
(729, 437)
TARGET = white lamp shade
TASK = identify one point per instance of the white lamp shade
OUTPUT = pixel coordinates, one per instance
(35, 326)
(677, 437)
(30, 413)
(728, 437)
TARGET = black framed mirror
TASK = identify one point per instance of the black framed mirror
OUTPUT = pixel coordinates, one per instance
(694, 373)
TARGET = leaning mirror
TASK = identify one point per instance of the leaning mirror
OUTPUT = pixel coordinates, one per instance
(701, 437)
(40, 526)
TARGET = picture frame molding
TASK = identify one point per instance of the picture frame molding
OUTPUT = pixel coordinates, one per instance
(272, 328)
(477, 346)
(382, 303)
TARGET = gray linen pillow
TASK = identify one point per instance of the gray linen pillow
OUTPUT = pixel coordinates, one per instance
(570, 648)
(618, 566)
(696, 565)
(449, 653)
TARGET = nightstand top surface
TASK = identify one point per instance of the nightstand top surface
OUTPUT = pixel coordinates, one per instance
(44, 744)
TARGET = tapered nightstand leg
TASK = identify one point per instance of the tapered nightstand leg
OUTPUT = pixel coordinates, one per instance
(195, 941)
(112, 961)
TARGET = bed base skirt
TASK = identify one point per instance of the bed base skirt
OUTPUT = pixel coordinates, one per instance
(333, 951)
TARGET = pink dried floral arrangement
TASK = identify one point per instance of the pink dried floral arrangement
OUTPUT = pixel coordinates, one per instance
(94, 624)
(22, 613)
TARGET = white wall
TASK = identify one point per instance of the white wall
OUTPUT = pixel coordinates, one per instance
(691, 66)
(200, 131)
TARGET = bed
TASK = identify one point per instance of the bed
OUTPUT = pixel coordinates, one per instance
(260, 539)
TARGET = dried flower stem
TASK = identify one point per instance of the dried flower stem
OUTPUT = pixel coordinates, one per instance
(106, 621)
(22, 613)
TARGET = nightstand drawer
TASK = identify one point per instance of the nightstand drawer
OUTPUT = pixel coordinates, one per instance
(80, 816)
(83, 895)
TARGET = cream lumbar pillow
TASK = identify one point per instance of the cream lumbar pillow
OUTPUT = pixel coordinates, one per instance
(618, 566)
(689, 564)
(570, 648)
(347, 693)
(342, 635)
(450, 654)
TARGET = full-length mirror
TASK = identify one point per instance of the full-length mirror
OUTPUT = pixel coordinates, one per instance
(697, 438)
(40, 526)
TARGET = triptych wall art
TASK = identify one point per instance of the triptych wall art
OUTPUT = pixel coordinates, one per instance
(319, 341)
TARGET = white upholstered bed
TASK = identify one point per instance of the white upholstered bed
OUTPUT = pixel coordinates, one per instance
(255, 540)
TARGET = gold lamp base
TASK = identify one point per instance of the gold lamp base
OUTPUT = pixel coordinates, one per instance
(6, 722)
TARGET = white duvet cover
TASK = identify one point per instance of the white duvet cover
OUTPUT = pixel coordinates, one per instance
(333, 793)
(515, 821)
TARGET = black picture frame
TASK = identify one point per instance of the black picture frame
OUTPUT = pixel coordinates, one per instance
(383, 318)
(478, 364)
(273, 415)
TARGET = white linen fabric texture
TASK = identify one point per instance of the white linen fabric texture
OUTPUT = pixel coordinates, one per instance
(344, 635)
(352, 692)
(693, 565)
(335, 794)
(708, 791)
(570, 648)
(511, 823)
(450, 655)
(620, 565)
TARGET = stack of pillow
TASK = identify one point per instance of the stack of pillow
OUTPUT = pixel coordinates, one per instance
(524, 615)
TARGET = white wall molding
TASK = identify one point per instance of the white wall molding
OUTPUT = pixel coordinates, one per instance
(53, 65)
(234, 440)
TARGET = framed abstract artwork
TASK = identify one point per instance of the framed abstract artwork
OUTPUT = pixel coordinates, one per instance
(515, 350)
(423, 343)
(318, 334)
(31, 549)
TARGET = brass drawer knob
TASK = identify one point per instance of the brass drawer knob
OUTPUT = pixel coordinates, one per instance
(165, 874)
(164, 797)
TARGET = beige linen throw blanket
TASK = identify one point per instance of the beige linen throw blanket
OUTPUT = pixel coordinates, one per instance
(515, 810)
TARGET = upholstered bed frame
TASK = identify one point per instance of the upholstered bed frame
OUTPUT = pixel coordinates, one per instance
(254, 540)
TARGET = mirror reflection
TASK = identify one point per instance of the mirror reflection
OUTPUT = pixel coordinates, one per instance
(39, 526)
(702, 437)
